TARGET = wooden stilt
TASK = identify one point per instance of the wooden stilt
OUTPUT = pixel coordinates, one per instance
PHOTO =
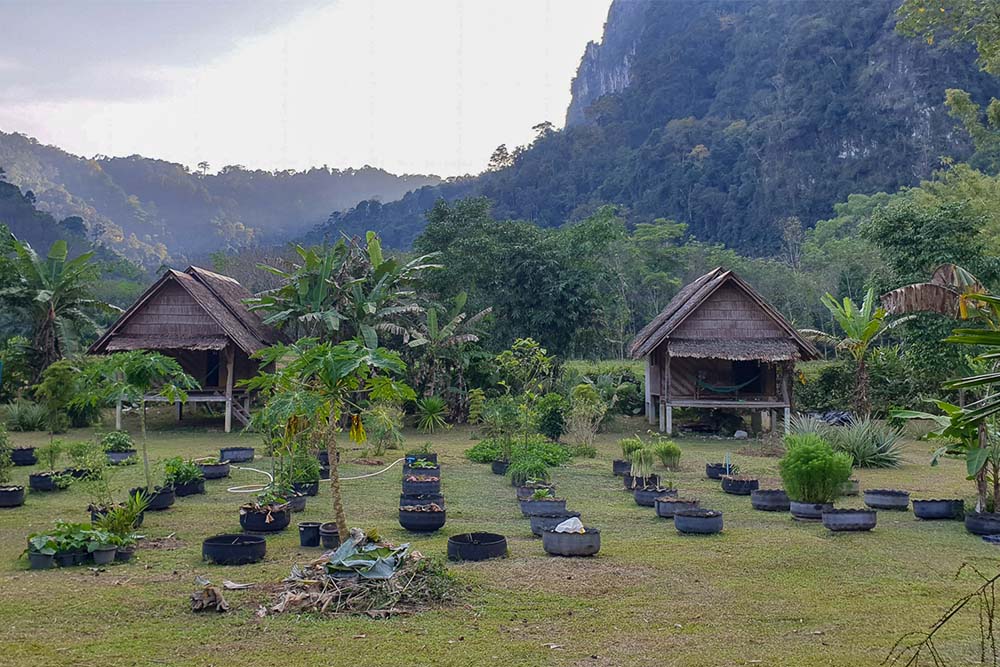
(670, 420)
(788, 417)
(118, 415)
(230, 367)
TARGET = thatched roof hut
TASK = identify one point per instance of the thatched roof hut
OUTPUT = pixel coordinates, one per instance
(199, 318)
(718, 344)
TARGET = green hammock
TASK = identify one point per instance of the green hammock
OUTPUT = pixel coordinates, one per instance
(724, 389)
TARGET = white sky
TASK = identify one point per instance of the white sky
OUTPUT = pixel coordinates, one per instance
(428, 86)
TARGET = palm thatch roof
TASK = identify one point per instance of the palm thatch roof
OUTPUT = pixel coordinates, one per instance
(221, 318)
(691, 297)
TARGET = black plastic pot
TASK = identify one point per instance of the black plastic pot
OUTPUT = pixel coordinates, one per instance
(477, 546)
(739, 487)
(698, 521)
(236, 454)
(104, 555)
(65, 559)
(572, 544)
(23, 456)
(930, 510)
(646, 496)
(234, 549)
(309, 533)
(542, 522)
(631, 483)
(667, 506)
(41, 481)
(256, 521)
(769, 500)
(499, 467)
(525, 492)
(887, 499)
(531, 507)
(215, 470)
(983, 523)
(118, 458)
(296, 503)
(324, 458)
(423, 499)
(159, 499)
(421, 522)
(329, 535)
(37, 561)
(849, 520)
(11, 496)
(306, 488)
(324, 472)
(421, 488)
(124, 554)
(716, 470)
(808, 511)
(190, 488)
(620, 467)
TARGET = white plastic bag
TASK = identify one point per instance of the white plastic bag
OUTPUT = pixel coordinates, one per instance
(572, 525)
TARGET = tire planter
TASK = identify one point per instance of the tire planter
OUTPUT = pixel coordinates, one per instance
(982, 523)
(309, 533)
(525, 492)
(477, 546)
(542, 522)
(887, 499)
(118, 458)
(739, 487)
(421, 522)
(11, 496)
(306, 488)
(646, 496)
(849, 520)
(215, 470)
(76, 473)
(620, 467)
(37, 561)
(104, 555)
(424, 499)
(42, 481)
(769, 500)
(698, 521)
(931, 510)
(256, 521)
(850, 488)
(421, 488)
(410, 457)
(410, 470)
(572, 544)
(667, 507)
(159, 500)
(234, 549)
(533, 507)
(23, 456)
(190, 488)
(236, 454)
(329, 536)
(808, 511)
(716, 470)
(631, 483)
(499, 467)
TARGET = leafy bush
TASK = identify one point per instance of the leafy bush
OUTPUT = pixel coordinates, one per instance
(551, 453)
(5, 466)
(486, 450)
(811, 471)
(870, 444)
(806, 425)
(431, 413)
(582, 451)
(27, 416)
(550, 415)
(831, 385)
(528, 469)
(586, 413)
(384, 423)
(50, 453)
(180, 471)
(619, 383)
(669, 453)
(117, 441)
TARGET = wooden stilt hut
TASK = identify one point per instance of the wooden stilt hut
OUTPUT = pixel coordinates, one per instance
(197, 317)
(719, 344)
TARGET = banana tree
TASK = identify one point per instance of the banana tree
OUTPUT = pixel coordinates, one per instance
(317, 385)
(441, 347)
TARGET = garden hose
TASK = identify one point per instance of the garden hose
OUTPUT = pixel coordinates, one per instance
(257, 488)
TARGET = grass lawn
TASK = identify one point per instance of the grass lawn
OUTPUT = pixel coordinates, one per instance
(768, 591)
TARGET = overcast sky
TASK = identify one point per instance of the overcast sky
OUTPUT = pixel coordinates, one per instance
(418, 86)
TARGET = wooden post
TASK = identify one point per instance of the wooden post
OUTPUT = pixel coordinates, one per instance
(230, 368)
(666, 412)
(648, 390)
(180, 411)
(788, 416)
(118, 415)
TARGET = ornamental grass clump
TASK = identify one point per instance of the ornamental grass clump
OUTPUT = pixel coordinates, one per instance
(669, 454)
(629, 445)
(811, 471)
(642, 461)
(527, 469)
(871, 444)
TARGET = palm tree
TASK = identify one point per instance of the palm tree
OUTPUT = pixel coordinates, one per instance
(55, 295)
(442, 347)
(860, 327)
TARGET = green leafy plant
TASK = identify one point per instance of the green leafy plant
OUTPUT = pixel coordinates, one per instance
(180, 471)
(543, 493)
(642, 461)
(384, 423)
(42, 543)
(550, 415)
(118, 441)
(629, 445)
(586, 412)
(501, 420)
(423, 464)
(50, 454)
(811, 471)
(6, 464)
(431, 413)
(27, 416)
(120, 521)
(422, 450)
(668, 452)
(528, 469)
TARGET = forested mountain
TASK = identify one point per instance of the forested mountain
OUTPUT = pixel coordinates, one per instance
(152, 210)
(729, 116)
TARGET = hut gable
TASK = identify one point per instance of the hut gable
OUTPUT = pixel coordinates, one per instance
(729, 313)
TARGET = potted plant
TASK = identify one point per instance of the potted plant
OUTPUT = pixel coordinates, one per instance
(51, 479)
(812, 474)
(71, 540)
(668, 506)
(621, 467)
(268, 515)
(541, 522)
(11, 495)
(184, 476)
(769, 500)
(572, 544)
(422, 518)
(500, 420)
(421, 484)
(646, 496)
(120, 523)
(213, 468)
(887, 499)
(641, 471)
(525, 469)
(160, 498)
(849, 519)
(119, 448)
(528, 489)
(422, 466)
(41, 551)
(423, 452)
(101, 548)
(698, 521)
(739, 485)
(543, 501)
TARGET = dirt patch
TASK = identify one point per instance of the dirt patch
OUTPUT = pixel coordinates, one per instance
(168, 543)
(369, 462)
(569, 576)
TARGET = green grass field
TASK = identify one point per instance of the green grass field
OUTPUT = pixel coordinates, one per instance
(768, 591)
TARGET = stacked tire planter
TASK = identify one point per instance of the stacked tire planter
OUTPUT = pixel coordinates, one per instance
(421, 504)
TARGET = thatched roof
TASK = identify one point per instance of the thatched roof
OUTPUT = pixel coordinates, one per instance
(221, 300)
(694, 295)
